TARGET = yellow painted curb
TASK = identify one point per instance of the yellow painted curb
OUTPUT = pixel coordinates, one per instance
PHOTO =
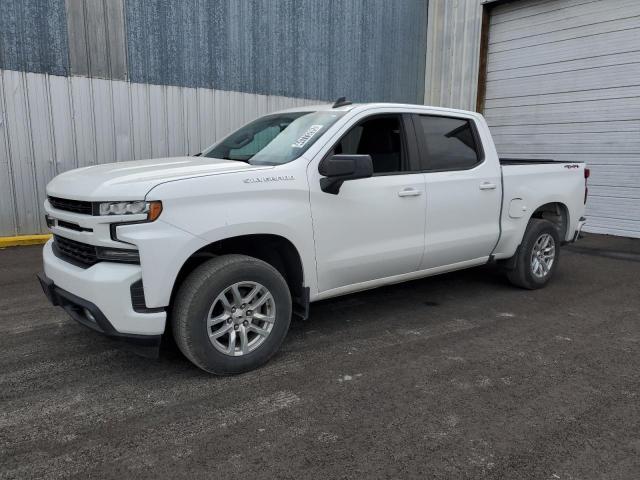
(23, 240)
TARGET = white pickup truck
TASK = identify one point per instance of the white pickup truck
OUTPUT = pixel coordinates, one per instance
(224, 247)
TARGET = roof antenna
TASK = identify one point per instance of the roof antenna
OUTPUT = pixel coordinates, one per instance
(341, 102)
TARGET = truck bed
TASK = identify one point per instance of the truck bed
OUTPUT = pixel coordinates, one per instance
(529, 184)
(529, 161)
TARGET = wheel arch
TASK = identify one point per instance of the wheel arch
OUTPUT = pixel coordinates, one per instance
(555, 212)
(276, 250)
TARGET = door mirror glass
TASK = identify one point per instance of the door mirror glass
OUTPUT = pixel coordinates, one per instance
(339, 168)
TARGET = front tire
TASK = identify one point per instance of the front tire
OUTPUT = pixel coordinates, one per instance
(537, 256)
(231, 314)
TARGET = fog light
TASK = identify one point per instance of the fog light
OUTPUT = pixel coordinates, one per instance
(118, 255)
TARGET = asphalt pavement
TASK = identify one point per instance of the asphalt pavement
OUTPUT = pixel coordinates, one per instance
(455, 376)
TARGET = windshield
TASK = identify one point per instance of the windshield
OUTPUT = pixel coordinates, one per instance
(274, 139)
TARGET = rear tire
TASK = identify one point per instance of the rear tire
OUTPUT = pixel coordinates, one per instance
(537, 256)
(231, 314)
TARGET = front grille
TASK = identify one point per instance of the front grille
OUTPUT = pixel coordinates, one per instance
(85, 255)
(75, 206)
(77, 253)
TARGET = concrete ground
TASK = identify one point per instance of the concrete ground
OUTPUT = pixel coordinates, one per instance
(456, 376)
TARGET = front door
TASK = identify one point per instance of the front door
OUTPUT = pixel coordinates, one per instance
(374, 227)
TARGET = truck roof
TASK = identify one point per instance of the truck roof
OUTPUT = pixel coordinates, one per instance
(365, 106)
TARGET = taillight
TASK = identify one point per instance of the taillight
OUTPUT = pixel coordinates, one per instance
(587, 173)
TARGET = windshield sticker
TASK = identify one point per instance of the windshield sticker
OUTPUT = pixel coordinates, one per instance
(308, 135)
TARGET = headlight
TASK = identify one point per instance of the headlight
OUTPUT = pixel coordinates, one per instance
(152, 209)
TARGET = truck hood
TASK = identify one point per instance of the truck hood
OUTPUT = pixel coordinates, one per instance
(133, 180)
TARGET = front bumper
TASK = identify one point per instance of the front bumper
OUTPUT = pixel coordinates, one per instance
(89, 315)
(100, 298)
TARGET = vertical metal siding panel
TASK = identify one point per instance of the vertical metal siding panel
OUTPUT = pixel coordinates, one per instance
(158, 116)
(97, 38)
(452, 49)
(175, 121)
(250, 107)
(62, 123)
(78, 54)
(18, 130)
(235, 110)
(261, 105)
(191, 118)
(114, 10)
(271, 103)
(83, 125)
(206, 118)
(7, 205)
(141, 121)
(232, 61)
(457, 73)
(223, 121)
(103, 118)
(41, 138)
(95, 24)
(122, 121)
(431, 88)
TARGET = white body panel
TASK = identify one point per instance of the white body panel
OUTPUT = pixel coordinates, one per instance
(366, 236)
(368, 231)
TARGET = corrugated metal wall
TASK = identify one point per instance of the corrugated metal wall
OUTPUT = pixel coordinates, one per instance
(367, 50)
(49, 124)
(33, 36)
(453, 52)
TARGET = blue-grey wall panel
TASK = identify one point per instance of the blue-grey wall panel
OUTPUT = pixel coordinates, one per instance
(368, 50)
(33, 36)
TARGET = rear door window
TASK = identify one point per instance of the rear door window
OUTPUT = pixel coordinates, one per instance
(446, 143)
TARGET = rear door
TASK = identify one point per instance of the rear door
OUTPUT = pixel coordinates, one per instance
(463, 191)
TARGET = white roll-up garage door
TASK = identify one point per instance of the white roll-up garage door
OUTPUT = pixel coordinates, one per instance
(563, 82)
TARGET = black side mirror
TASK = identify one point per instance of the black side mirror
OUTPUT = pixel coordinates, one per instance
(339, 168)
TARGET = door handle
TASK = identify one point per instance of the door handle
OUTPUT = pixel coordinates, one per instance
(487, 186)
(409, 192)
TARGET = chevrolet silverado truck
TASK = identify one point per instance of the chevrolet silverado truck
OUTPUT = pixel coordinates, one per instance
(223, 248)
